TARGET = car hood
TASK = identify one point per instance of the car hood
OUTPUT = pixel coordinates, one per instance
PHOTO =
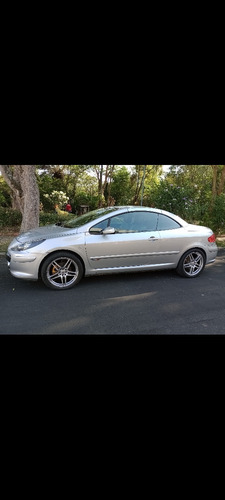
(46, 232)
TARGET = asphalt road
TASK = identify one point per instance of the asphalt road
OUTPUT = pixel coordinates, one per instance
(141, 303)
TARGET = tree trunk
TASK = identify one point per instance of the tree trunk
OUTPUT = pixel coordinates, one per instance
(138, 184)
(100, 187)
(110, 183)
(25, 193)
(222, 181)
(214, 183)
(31, 199)
(11, 175)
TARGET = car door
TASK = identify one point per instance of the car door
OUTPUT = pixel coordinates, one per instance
(172, 240)
(134, 242)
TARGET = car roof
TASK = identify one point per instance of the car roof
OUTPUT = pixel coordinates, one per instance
(131, 208)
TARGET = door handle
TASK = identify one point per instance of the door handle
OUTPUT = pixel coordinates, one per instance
(153, 238)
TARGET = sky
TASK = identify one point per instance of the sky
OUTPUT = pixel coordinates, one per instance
(165, 167)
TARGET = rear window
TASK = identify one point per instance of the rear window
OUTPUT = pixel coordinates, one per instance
(165, 223)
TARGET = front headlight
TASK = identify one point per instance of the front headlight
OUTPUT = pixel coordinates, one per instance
(27, 244)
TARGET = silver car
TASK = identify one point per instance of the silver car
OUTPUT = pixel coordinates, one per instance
(111, 240)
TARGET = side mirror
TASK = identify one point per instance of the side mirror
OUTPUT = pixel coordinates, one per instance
(109, 230)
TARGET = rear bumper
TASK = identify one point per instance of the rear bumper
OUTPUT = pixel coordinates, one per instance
(212, 254)
(211, 261)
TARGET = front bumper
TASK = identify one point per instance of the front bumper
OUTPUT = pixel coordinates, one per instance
(23, 265)
(21, 257)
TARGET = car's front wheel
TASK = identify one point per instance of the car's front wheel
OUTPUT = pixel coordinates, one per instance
(61, 271)
(191, 264)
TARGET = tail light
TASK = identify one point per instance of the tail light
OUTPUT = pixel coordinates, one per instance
(212, 238)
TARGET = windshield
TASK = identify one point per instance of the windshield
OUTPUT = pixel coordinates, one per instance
(89, 217)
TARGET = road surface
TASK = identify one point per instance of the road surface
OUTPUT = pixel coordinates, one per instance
(145, 303)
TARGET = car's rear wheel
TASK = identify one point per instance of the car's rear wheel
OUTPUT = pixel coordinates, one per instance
(192, 263)
(61, 271)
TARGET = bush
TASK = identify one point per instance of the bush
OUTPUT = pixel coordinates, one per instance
(48, 218)
(175, 199)
(53, 218)
(10, 217)
(5, 199)
(84, 199)
(217, 216)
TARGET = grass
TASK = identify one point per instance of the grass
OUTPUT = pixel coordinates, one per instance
(6, 235)
(4, 245)
(220, 242)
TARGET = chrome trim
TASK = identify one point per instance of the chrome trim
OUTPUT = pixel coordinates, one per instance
(148, 254)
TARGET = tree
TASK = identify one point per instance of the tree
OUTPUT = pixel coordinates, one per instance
(24, 191)
(218, 180)
(210, 177)
(102, 173)
(120, 186)
(142, 179)
(66, 178)
(204, 196)
(99, 171)
(72, 174)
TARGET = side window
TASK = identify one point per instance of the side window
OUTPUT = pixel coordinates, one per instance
(130, 222)
(121, 223)
(165, 223)
(134, 222)
(98, 228)
(144, 221)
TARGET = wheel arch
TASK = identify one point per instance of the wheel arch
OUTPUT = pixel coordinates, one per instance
(190, 249)
(54, 252)
(192, 274)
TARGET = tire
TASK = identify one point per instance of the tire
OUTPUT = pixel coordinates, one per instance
(191, 263)
(61, 271)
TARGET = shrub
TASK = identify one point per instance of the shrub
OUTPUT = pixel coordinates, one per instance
(53, 218)
(175, 199)
(5, 199)
(217, 216)
(84, 199)
(48, 218)
(56, 197)
(10, 217)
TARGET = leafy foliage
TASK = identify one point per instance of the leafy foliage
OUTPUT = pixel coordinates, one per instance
(175, 199)
(121, 187)
(5, 200)
(53, 218)
(56, 197)
(216, 216)
(203, 186)
(10, 217)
